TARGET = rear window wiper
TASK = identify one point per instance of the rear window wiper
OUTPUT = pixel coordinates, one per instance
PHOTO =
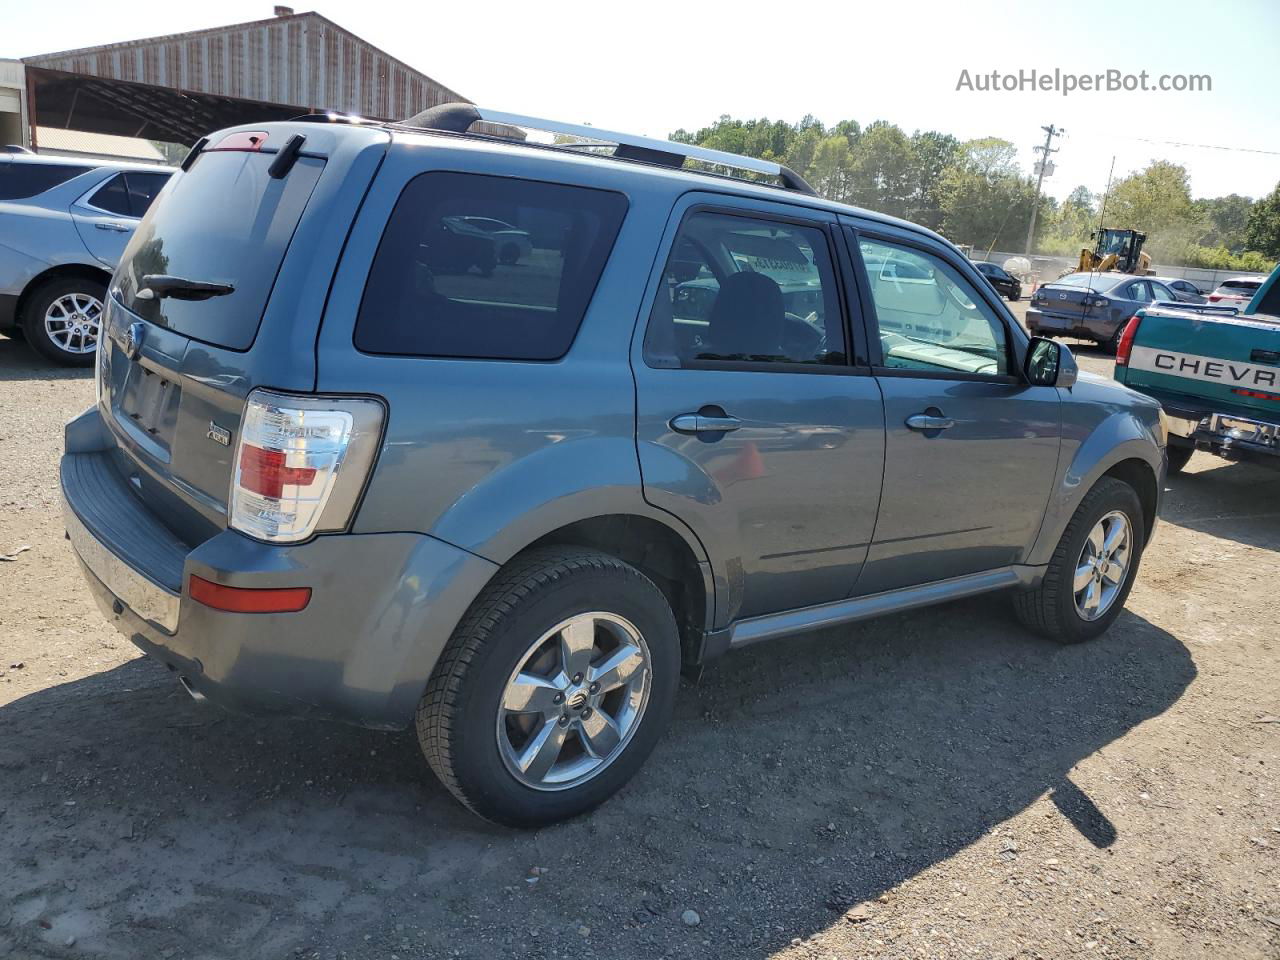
(161, 285)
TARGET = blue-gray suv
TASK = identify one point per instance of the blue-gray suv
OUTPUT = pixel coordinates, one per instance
(350, 461)
(64, 223)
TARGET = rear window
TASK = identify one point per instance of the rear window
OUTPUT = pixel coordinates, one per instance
(224, 221)
(1089, 281)
(1241, 287)
(21, 180)
(486, 267)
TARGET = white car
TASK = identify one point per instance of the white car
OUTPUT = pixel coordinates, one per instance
(510, 243)
(1236, 292)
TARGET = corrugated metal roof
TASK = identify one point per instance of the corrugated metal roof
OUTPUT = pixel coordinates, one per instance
(302, 60)
(55, 140)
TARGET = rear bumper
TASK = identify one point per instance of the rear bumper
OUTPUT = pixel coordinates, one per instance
(1047, 323)
(1040, 322)
(382, 606)
(1230, 434)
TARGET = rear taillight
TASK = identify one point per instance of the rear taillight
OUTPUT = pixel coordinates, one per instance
(1256, 394)
(1125, 347)
(300, 464)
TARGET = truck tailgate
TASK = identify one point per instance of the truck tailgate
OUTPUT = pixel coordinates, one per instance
(1224, 361)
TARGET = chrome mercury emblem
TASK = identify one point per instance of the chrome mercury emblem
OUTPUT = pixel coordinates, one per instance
(133, 340)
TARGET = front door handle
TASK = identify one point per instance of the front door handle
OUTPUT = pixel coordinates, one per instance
(924, 421)
(117, 227)
(701, 423)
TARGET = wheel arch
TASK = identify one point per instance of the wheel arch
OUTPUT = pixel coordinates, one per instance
(667, 557)
(1139, 475)
(1121, 446)
(60, 272)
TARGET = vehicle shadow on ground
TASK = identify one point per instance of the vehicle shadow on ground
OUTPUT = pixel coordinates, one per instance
(1231, 501)
(18, 361)
(798, 779)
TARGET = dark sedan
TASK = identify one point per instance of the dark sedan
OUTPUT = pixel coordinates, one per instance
(1006, 284)
(1092, 306)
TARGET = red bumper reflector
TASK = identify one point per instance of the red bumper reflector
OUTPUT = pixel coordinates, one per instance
(249, 599)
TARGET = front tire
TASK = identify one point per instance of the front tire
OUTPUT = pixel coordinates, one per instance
(62, 318)
(1092, 570)
(554, 688)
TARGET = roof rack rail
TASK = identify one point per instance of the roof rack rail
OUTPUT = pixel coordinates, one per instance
(458, 118)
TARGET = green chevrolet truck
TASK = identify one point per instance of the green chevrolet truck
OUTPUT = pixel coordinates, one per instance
(1216, 372)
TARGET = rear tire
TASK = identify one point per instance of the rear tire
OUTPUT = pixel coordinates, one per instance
(1113, 345)
(1179, 457)
(61, 319)
(1054, 608)
(491, 700)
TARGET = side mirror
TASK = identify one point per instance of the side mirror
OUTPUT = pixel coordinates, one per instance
(1050, 364)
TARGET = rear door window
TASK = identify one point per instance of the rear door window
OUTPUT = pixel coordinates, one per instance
(225, 221)
(113, 197)
(143, 187)
(21, 180)
(1139, 291)
(486, 267)
(738, 289)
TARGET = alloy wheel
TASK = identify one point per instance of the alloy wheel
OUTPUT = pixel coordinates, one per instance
(1103, 565)
(574, 701)
(72, 321)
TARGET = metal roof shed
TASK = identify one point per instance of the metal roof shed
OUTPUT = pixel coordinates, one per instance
(177, 88)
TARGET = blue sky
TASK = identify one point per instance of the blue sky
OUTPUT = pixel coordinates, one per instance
(655, 67)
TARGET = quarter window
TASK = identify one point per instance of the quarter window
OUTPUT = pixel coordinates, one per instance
(930, 318)
(486, 267)
(740, 289)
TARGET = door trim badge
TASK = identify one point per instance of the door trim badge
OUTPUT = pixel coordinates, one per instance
(219, 434)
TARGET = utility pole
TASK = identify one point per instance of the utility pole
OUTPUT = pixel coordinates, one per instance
(1050, 132)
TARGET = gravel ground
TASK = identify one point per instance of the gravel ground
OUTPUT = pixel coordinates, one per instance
(938, 784)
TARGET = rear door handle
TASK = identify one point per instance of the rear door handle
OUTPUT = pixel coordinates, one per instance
(923, 421)
(700, 423)
(117, 227)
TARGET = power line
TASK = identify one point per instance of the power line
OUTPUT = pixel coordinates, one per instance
(1206, 146)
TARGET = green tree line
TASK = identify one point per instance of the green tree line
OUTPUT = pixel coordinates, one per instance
(974, 192)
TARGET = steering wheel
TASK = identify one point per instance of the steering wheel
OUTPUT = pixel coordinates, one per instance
(801, 337)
